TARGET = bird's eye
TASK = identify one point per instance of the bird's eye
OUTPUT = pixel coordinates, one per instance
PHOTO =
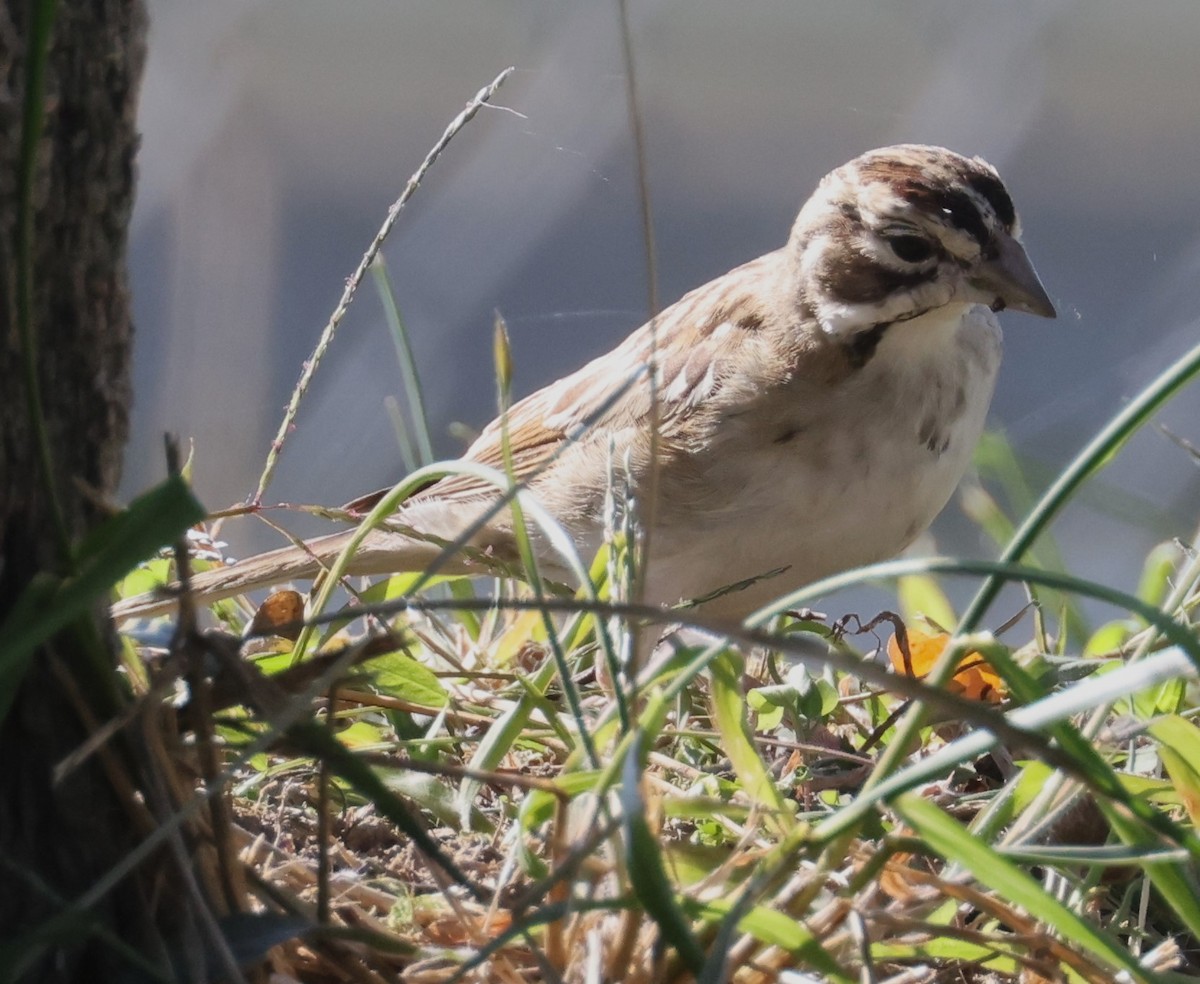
(910, 248)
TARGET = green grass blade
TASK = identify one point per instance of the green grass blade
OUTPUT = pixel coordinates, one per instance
(112, 550)
(1099, 451)
(954, 843)
(999, 571)
(500, 737)
(729, 715)
(417, 421)
(1088, 764)
(775, 929)
(647, 873)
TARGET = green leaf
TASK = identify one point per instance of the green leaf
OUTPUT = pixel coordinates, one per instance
(113, 549)
(774, 929)
(146, 577)
(921, 595)
(947, 950)
(1167, 698)
(538, 805)
(1179, 747)
(1176, 883)
(768, 705)
(403, 585)
(1157, 572)
(955, 843)
(647, 874)
(402, 676)
(499, 739)
(737, 740)
(435, 796)
(810, 699)
(1110, 637)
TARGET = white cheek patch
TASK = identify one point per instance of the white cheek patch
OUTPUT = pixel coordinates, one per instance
(837, 318)
(840, 319)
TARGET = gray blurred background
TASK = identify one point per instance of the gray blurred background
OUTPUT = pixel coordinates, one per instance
(277, 132)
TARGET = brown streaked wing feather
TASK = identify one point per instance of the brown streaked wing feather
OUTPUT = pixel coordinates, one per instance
(688, 344)
(365, 503)
(530, 443)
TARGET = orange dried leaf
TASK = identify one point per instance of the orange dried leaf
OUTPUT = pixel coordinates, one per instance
(975, 679)
(281, 614)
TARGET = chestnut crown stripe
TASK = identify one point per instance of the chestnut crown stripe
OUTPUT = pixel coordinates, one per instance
(930, 190)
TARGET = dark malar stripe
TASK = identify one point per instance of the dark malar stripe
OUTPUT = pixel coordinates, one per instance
(862, 346)
(857, 279)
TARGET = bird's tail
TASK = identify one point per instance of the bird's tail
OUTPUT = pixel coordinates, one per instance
(382, 552)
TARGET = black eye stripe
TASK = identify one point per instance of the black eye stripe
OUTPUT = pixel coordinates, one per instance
(961, 211)
(992, 191)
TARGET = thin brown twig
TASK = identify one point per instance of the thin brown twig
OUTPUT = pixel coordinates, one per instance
(162, 791)
(190, 652)
(953, 705)
(483, 96)
(498, 777)
(115, 771)
(400, 704)
(323, 819)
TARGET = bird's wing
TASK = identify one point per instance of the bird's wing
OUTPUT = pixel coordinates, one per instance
(692, 343)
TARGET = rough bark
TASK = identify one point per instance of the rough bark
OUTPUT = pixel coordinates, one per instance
(64, 836)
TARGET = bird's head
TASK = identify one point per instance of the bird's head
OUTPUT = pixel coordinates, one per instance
(904, 230)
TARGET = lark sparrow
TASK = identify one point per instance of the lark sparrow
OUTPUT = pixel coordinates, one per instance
(815, 408)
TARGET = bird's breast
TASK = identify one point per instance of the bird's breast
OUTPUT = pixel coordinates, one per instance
(819, 478)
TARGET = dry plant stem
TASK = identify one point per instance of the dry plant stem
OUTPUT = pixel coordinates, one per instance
(795, 746)
(399, 704)
(220, 817)
(346, 966)
(499, 778)
(189, 652)
(993, 721)
(323, 827)
(164, 801)
(1019, 925)
(860, 939)
(281, 718)
(619, 966)
(772, 958)
(114, 771)
(556, 952)
(98, 737)
(483, 96)
(568, 869)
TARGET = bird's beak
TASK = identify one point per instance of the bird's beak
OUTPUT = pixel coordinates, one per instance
(1010, 281)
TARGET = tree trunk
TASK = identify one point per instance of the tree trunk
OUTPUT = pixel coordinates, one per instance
(57, 839)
